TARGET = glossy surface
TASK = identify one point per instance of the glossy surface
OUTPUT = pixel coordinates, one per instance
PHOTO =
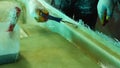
(45, 49)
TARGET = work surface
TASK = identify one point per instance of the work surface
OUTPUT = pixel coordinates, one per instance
(45, 49)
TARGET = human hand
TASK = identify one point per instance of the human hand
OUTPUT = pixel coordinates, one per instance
(105, 10)
(39, 15)
(36, 10)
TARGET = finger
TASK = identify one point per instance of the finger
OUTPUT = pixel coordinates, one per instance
(109, 12)
(101, 13)
(40, 19)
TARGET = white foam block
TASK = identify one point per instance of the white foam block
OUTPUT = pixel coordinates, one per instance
(9, 44)
(9, 41)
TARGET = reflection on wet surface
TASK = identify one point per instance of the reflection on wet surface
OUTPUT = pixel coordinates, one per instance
(45, 49)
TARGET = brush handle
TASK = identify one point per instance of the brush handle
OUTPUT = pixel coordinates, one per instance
(55, 18)
(52, 17)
